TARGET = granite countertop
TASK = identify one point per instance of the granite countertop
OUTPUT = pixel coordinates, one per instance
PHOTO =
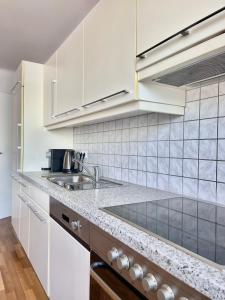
(199, 274)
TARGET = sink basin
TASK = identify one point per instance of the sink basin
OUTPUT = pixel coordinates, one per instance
(81, 182)
(69, 179)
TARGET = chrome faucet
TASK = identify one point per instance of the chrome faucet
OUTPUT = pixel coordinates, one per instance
(95, 176)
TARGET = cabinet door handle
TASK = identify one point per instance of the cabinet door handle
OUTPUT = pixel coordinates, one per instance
(53, 85)
(66, 113)
(37, 213)
(104, 99)
(183, 32)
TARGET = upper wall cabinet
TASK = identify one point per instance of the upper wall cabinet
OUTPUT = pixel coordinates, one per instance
(70, 73)
(159, 20)
(109, 51)
(63, 77)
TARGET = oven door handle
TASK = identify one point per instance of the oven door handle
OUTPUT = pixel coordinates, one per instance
(101, 282)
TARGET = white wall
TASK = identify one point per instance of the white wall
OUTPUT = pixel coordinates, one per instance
(5, 142)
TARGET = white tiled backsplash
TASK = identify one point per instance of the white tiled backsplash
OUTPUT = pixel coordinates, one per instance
(180, 154)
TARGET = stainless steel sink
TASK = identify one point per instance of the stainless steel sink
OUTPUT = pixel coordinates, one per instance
(81, 182)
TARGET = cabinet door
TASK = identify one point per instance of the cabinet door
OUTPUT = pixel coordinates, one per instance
(157, 20)
(70, 72)
(69, 266)
(15, 207)
(38, 244)
(50, 92)
(109, 49)
(24, 224)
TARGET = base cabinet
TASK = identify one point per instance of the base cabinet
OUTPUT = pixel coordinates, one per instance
(69, 266)
(39, 244)
(15, 207)
(24, 223)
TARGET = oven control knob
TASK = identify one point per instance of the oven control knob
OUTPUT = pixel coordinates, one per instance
(165, 293)
(75, 225)
(136, 272)
(123, 262)
(149, 283)
(113, 254)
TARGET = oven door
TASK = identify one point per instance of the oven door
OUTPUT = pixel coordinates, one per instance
(106, 284)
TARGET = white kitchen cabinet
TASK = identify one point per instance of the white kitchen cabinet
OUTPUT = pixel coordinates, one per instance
(24, 222)
(70, 73)
(69, 266)
(39, 244)
(158, 20)
(15, 207)
(50, 82)
(109, 50)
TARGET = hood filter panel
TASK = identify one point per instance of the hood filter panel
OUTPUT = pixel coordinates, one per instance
(210, 67)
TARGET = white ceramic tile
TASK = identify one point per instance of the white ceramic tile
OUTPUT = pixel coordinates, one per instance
(133, 148)
(152, 148)
(192, 111)
(142, 134)
(190, 187)
(126, 123)
(163, 165)
(163, 182)
(142, 148)
(207, 170)
(141, 178)
(118, 136)
(119, 124)
(125, 174)
(133, 122)
(118, 161)
(132, 176)
(221, 149)
(221, 171)
(175, 184)
(133, 134)
(163, 119)
(152, 119)
(221, 128)
(208, 149)
(176, 119)
(208, 128)
(176, 149)
(111, 172)
(142, 120)
(222, 88)
(192, 95)
(125, 161)
(118, 174)
(152, 133)
(209, 108)
(207, 190)
(209, 91)
(133, 162)
(176, 166)
(222, 106)
(142, 163)
(176, 131)
(190, 168)
(221, 193)
(191, 130)
(125, 148)
(191, 149)
(163, 149)
(164, 132)
(152, 164)
(111, 160)
(151, 180)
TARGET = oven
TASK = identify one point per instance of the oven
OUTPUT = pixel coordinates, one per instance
(106, 284)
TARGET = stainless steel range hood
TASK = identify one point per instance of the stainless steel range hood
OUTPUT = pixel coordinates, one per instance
(207, 68)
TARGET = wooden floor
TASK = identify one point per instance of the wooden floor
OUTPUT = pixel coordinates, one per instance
(18, 280)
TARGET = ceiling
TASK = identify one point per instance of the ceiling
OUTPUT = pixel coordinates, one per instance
(33, 29)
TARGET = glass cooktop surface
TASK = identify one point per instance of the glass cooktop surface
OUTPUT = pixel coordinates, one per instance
(194, 225)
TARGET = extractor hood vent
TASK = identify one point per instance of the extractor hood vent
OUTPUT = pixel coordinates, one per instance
(205, 69)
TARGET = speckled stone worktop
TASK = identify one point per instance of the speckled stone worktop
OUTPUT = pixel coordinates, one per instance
(200, 275)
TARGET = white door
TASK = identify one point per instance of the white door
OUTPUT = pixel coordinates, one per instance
(109, 49)
(69, 266)
(39, 244)
(158, 20)
(70, 72)
(5, 156)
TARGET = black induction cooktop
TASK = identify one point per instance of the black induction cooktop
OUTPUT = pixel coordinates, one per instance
(194, 225)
